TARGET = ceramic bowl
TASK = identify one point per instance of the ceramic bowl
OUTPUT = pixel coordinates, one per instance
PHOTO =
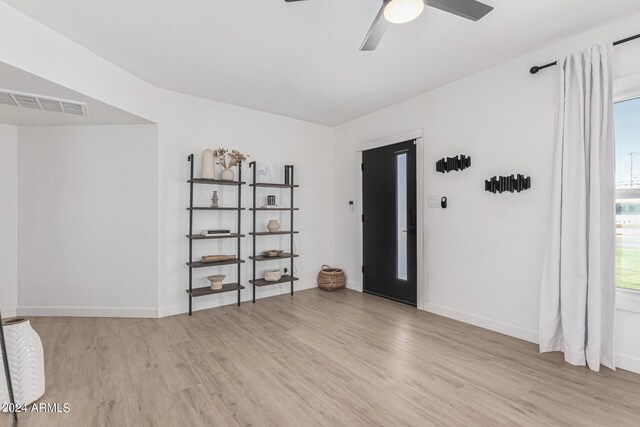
(272, 253)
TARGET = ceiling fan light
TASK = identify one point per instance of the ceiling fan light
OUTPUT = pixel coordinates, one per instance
(401, 11)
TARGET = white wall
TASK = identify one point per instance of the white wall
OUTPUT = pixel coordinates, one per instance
(88, 208)
(484, 252)
(9, 220)
(185, 125)
(190, 125)
(56, 172)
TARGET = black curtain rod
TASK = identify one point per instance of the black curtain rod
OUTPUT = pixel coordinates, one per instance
(534, 70)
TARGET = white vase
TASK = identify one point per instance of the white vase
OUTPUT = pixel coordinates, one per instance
(26, 362)
(208, 165)
(273, 225)
(226, 174)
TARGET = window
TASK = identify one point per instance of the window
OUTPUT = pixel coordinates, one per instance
(627, 134)
(401, 216)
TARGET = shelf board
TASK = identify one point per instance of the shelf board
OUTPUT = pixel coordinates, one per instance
(283, 279)
(273, 258)
(275, 233)
(274, 209)
(217, 236)
(215, 181)
(204, 208)
(273, 185)
(227, 287)
(200, 264)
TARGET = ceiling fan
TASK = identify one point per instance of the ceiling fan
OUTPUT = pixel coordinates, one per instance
(402, 11)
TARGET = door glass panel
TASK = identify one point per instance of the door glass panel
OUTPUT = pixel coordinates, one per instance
(401, 216)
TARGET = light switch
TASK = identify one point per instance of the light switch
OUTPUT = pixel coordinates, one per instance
(351, 206)
(433, 201)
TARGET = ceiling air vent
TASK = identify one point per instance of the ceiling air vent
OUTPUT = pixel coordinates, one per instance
(6, 99)
(51, 105)
(70, 108)
(37, 102)
(27, 101)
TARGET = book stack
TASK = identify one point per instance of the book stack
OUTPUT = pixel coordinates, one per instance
(208, 233)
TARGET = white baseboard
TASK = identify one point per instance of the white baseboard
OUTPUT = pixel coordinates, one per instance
(354, 286)
(628, 363)
(483, 322)
(136, 312)
(9, 312)
(205, 303)
(625, 362)
(141, 312)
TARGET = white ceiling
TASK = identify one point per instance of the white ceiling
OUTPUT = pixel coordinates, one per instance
(17, 80)
(301, 59)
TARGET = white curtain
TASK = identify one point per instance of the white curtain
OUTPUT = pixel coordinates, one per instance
(578, 282)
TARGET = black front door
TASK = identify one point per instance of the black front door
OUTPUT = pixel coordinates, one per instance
(390, 221)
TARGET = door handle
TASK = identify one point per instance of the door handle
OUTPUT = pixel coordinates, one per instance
(413, 222)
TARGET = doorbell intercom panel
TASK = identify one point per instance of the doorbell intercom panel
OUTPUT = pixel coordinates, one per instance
(434, 202)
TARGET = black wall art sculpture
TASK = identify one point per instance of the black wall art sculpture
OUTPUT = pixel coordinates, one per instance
(507, 183)
(456, 163)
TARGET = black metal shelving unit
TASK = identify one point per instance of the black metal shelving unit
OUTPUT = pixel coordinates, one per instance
(289, 184)
(227, 287)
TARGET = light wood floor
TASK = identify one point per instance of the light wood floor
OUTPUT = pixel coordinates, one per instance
(318, 358)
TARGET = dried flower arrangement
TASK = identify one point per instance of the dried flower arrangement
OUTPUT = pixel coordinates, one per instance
(228, 159)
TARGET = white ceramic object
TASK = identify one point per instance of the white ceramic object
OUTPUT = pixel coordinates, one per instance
(216, 281)
(273, 225)
(26, 362)
(272, 275)
(226, 174)
(208, 165)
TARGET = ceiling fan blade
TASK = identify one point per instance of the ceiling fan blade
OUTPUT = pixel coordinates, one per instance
(377, 30)
(470, 9)
(289, 1)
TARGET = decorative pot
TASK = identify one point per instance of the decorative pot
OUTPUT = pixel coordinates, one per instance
(272, 275)
(216, 281)
(208, 165)
(214, 199)
(226, 174)
(273, 225)
(26, 362)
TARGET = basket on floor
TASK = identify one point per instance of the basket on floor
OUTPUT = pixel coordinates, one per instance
(331, 279)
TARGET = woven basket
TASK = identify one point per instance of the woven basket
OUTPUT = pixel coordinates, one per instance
(331, 279)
